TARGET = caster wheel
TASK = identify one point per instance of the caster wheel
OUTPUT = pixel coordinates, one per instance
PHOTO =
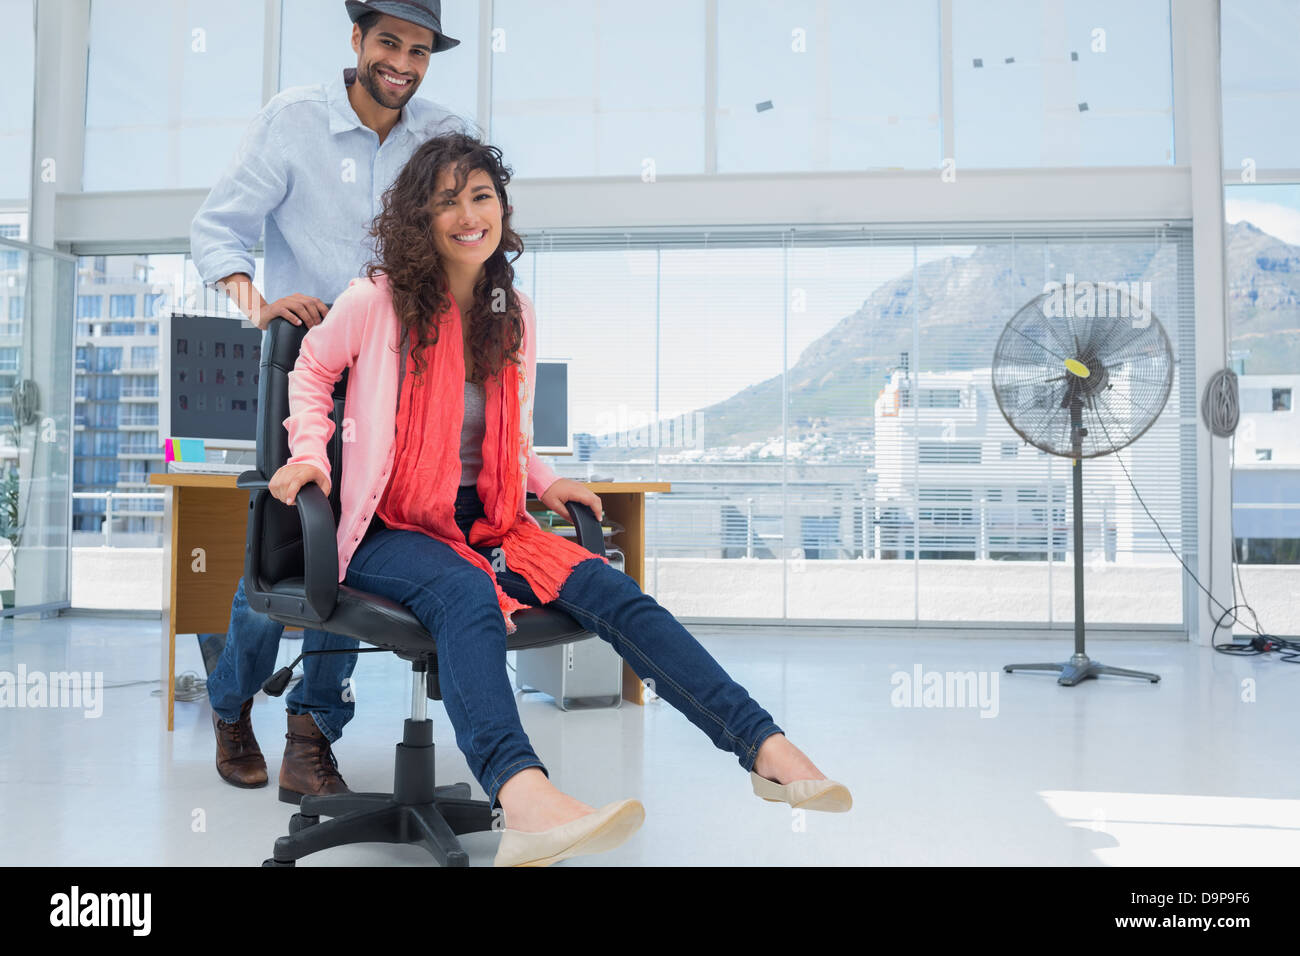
(274, 862)
(301, 821)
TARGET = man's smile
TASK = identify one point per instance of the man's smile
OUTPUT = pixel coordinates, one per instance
(394, 81)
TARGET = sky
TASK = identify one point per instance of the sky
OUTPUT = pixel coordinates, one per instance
(1272, 208)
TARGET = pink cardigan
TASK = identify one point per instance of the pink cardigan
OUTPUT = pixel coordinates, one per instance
(362, 333)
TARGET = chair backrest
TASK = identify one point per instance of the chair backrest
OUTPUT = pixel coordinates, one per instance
(280, 544)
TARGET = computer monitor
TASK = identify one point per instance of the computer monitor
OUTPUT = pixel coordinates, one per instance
(208, 381)
(552, 428)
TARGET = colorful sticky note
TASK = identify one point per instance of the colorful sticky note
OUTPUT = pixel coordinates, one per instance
(185, 449)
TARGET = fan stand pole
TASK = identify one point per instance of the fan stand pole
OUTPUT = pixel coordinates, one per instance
(1079, 667)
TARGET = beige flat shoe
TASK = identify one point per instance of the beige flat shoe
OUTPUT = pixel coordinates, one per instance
(805, 794)
(596, 832)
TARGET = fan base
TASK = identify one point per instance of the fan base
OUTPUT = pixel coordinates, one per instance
(1080, 668)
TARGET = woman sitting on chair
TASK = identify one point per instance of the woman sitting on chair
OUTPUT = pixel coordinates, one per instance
(437, 458)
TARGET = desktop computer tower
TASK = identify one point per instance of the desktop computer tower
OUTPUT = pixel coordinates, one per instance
(582, 675)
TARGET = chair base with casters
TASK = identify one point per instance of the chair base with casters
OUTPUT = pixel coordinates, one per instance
(291, 576)
(417, 812)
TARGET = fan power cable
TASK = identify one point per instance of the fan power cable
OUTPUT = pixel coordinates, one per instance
(1262, 643)
(1221, 411)
(1219, 405)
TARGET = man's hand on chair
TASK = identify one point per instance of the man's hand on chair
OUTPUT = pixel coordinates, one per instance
(297, 308)
(566, 489)
(284, 484)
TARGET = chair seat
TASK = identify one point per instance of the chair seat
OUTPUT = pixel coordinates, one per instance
(384, 623)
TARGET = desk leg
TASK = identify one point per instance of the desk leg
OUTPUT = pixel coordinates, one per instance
(171, 524)
(629, 511)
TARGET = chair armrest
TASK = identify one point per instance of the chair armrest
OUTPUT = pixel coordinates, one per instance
(253, 481)
(587, 527)
(320, 561)
(320, 556)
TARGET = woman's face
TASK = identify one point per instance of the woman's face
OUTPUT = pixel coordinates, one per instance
(466, 225)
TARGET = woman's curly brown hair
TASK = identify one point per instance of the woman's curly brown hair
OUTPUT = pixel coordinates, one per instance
(405, 252)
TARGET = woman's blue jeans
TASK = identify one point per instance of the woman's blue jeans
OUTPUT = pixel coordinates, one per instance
(457, 604)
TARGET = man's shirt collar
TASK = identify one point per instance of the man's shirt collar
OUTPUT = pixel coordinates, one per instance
(342, 116)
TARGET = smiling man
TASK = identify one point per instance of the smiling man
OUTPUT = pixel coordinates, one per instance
(312, 170)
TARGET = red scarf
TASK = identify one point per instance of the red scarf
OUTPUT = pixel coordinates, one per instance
(421, 490)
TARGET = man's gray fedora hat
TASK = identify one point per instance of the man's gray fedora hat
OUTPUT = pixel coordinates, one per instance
(426, 13)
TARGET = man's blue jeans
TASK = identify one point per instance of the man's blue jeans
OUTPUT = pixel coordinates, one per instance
(457, 604)
(252, 647)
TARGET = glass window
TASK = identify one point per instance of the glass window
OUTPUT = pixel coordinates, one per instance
(158, 283)
(108, 359)
(315, 48)
(828, 445)
(108, 387)
(89, 306)
(11, 259)
(144, 356)
(106, 443)
(598, 88)
(1262, 234)
(1069, 83)
(837, 85)
(1260, 77)
(18, 54)
(170, 89)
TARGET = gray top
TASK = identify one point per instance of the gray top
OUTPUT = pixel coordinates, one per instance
(471, 434)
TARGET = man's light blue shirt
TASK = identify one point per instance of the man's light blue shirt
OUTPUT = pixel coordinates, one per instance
(314, 175)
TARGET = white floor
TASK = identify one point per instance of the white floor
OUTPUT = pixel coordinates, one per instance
(1198, 769)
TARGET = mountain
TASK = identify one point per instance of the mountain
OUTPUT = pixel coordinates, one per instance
(965, 302)
(1264, 299)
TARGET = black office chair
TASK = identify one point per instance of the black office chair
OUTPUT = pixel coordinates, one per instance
(291, 575)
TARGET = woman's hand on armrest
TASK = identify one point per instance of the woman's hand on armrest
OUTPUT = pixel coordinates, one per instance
(288, 479)
(563, 490)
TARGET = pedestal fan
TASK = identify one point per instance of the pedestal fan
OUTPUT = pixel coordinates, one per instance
(1081, 386)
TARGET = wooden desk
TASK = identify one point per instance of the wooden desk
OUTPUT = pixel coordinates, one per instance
(205, 526)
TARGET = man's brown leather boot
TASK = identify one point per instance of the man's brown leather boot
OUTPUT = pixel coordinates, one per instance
(239, 759)
(309, 766)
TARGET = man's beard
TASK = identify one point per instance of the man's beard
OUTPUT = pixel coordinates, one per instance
(381, 93)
